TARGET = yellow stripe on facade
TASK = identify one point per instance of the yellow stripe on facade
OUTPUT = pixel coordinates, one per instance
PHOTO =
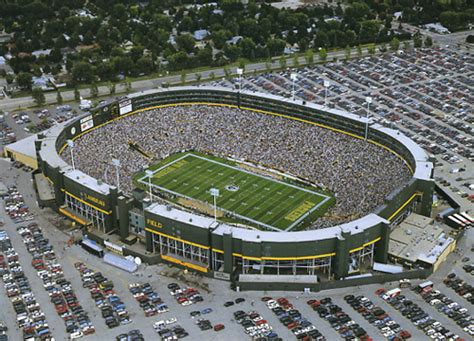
(366, 244)
(72, 216)
(176, 238)
(283, 258)
(183, 263)
(217, 250)
(403, 206)
(243, 108)
(86, 203)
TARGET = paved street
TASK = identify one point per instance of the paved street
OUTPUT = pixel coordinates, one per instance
(219, 291)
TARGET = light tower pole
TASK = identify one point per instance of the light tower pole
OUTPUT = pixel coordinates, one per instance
(70, 143)
(368, 99)
(149, 173)
(327, 84)
(116, 163)
(215, 194)
(240, 72)
(293, 77)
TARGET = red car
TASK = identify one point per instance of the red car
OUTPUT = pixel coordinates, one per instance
(219, 327)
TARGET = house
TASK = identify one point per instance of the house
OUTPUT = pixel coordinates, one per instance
(200, 34)
(39, 53)
(234, 40)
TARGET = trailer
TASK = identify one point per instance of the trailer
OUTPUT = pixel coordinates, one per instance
(391, 293)
(92, 247)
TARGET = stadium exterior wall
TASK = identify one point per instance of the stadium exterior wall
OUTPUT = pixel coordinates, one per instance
(236, 244)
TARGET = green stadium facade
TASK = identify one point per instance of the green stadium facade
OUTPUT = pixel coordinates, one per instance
(186, 239)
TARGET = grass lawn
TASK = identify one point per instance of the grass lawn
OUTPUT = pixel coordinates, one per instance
(257, 199)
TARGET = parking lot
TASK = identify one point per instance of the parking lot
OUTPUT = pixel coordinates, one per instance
(426, 93)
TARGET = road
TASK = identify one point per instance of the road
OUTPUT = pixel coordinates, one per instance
(10, 104)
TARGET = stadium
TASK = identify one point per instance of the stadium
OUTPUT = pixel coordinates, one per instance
(236, 185)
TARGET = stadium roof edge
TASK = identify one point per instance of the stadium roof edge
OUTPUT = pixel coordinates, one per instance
(352, 227)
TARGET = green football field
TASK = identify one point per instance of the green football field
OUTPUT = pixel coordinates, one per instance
(258, 199)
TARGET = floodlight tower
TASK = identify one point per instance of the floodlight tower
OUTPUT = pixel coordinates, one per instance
(368, 100)
(293, 77)
(70, 143)
(240, 72)
(116, 163)
(149, 173)
(215, 194)
(327, 84)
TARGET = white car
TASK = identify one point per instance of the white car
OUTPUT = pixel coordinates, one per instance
(171, 320)
(76, 335)
(159, 324)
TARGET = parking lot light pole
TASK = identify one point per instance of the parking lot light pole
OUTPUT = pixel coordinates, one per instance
(368, 99)
(293, 77)
(215, 194)
(149, 174)
(70, 143)
(327, 84)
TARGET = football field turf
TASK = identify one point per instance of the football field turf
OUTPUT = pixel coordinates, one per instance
(261, 200)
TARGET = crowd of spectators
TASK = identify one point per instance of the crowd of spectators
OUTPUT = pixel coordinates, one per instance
(359, 174)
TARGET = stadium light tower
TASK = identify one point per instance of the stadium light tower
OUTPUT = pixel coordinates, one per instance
(327, 84)
(116, 163)
(70, 143)
(215, 194)
(149, 173)
(293, 77)
(240, 72)
(368, 99)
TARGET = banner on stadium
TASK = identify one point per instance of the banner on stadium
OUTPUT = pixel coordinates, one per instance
(125, 106)
(87, 123)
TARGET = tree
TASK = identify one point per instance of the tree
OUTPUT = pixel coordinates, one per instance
(212, 76)
(94, 91)
(323, 54)
(417, 42)
(347, 52)
(406, 45)
(309, 56)
(59, 98)
(226, 72)
(185, 42)
(248, 48)
(198, 77)
(82, 72)
(282, 62)
(38, 96)
(112, 89)
(428, 41)
(394, 44)
(183, 78)
(24, 80)
(359, 50)
(220, 37)
(275, 46)
(371, 48)
(77, 94)
(296, 62)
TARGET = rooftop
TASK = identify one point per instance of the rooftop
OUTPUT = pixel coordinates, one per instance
(418, 238)
(181, 216)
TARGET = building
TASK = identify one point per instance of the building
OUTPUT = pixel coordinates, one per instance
(189, 240)
(420, 242)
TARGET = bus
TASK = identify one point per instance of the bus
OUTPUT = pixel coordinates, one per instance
(92, 248)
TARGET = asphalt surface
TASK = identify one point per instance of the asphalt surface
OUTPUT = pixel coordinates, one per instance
(219, 291)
